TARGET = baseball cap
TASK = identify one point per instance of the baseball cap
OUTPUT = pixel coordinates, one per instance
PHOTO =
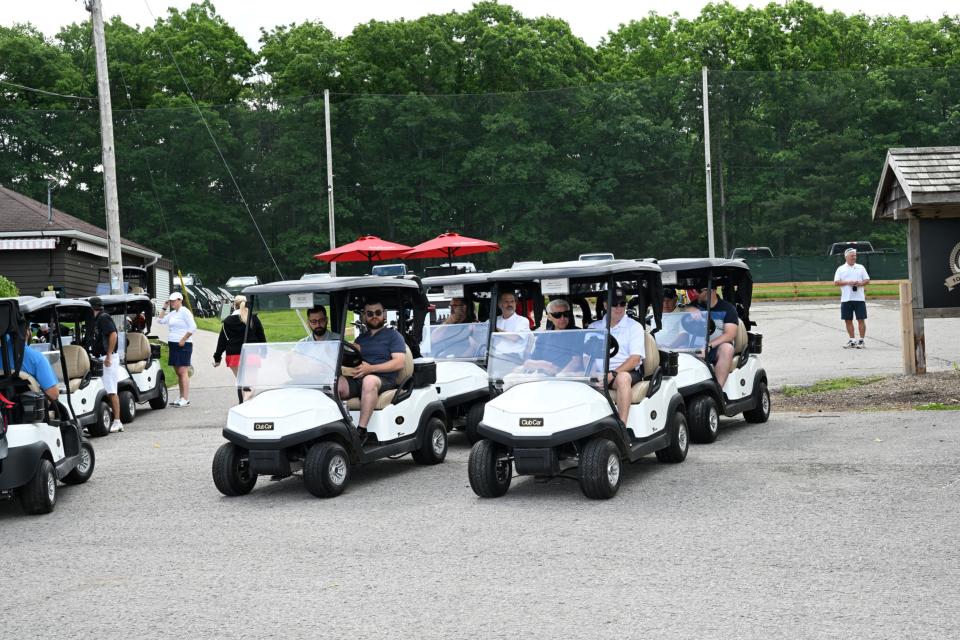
(96, 302)
(176, 295)
(619, 296)
(669, 292)
(849, 251)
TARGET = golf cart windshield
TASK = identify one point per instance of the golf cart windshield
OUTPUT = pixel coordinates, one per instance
(687, 331)
(456, 341)
(576, 354)
(282, 365)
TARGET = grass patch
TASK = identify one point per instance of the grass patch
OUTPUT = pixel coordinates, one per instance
(937, 406)
(280, 325)
(831, 384)
(169, 375)
(798, 291)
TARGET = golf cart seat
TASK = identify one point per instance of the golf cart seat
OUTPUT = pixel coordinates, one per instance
(138, 352)
(353, 404)
(650, 365)
(740, 343)
(78, 365)
(31, 381)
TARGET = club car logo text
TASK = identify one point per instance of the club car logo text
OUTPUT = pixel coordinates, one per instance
(531, 422)
(263, 426)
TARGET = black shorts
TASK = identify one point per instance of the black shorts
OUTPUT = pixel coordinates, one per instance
(356, 386)
(853, 307)
(635, 377)
(713, 354)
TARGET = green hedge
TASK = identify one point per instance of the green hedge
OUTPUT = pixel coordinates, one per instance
(7, 288)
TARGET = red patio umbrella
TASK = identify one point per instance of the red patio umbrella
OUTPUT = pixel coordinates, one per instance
(449, 245)
(367, 248)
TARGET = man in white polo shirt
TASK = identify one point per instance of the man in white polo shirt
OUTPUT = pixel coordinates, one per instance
(509, 321)
(852, 279)
(626, 368)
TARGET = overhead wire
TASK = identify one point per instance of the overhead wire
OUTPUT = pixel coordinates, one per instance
(45, 92)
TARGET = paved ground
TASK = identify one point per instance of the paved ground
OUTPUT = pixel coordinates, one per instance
(823, 526)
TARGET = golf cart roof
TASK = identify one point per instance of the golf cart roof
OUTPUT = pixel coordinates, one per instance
(574, 269)
(132, 301)
(331, 285)
(34, 305)
(689, 264)
(472, 277)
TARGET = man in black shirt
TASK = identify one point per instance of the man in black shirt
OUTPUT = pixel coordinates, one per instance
(719, 351)
(105, 342)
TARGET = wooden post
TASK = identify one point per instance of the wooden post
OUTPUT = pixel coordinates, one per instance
(916, 284)
(906, 329)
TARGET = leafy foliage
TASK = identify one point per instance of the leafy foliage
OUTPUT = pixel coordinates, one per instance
(7, 288)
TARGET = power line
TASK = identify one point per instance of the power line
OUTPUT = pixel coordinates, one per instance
(45, 92)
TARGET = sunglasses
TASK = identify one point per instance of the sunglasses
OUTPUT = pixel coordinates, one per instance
(619, 303)
(557, 316)
(374, 314)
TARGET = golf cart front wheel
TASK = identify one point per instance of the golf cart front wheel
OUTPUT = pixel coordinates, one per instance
(600, 469)
(160, 400)
(489, 469)
(704, 419)
(326, 469)
(39, 495)
(84, 469)
(101, 426)
(128, 406)
(231, 471)
(760, 413)
(434, 448)
(676, 451)
(474, 416)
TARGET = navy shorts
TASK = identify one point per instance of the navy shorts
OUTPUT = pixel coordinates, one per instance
(180, 356)
(356, 386)
(852, 308)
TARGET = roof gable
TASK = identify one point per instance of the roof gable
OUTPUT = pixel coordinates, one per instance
(918, 179)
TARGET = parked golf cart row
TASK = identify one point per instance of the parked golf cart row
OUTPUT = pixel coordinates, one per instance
(521, 418)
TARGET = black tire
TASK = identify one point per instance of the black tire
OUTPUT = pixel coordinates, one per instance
(760, 413)
(326, 470)
(676, 451)
(231, 471)
(434, 448)
(489, 470)
(128, 406)
(39, 495)
(160, 400)
(600, 469)
(101, 426)
(474, 416)
(84, 469)
(704, 419)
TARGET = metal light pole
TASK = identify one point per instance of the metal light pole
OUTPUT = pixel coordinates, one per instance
(114, 256)
(333, 235)
(706, 157)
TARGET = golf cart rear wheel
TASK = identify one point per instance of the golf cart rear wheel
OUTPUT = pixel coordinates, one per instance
(676, 451)
(160, 400)
(474, 416)
(39, 495)
(760, 413)
(704, 419)
(326, 469)
(128, 406)
(489, 469)
(600, 469)
(101, 426)
(84, 469)
(231, 471)
(434, 448)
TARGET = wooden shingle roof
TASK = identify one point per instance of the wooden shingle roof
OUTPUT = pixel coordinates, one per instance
(918, 180)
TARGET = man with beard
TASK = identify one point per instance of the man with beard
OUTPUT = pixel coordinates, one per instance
(383, 352)
(317, 319)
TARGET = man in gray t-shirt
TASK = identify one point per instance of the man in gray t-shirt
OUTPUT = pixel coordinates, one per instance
(317, 319)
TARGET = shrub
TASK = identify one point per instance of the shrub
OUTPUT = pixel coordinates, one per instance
(7, 288)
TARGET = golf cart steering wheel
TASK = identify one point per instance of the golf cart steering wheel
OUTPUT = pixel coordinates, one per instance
(351, 354)
(613, 348)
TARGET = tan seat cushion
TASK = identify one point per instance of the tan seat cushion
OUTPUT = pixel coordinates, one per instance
(353, 404)
(34, 385)
(77, 361)
(650, 363)
(75, 384)
(137, 367)
(138, 347)
(740, 343)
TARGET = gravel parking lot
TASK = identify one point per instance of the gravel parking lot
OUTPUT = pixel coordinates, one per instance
(826, 525)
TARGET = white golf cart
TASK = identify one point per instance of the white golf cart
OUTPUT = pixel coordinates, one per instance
(141, 377)
(40, 444)
(686, 332)
(291, 417)
(553, 411)
(460, 350)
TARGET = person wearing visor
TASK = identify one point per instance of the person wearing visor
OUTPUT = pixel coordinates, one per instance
(719, 350)
(383, 353)
(317, 319)
(626, 368)
(182, 327)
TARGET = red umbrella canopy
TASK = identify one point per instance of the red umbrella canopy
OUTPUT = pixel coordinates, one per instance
(449, 245)
(367, 248)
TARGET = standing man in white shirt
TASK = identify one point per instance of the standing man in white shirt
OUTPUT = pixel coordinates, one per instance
(182, 326)
(852, 279)
(626, 368)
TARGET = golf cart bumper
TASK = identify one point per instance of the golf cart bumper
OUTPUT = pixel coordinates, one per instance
(287, 441)
(20, 465)
(532, 444)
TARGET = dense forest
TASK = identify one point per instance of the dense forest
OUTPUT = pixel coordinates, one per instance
(488, 123)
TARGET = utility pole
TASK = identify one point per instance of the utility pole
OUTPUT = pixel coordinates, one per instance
(333, 235)
(114, 256)
(706, 157)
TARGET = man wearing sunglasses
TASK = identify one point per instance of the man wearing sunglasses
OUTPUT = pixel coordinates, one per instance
(625, 367)
(317, 319)
(719, 351)
(383, 352)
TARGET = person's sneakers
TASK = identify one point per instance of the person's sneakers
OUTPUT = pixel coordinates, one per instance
(116, 426)
(851, 344)
(182, 402)
(860, 344)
